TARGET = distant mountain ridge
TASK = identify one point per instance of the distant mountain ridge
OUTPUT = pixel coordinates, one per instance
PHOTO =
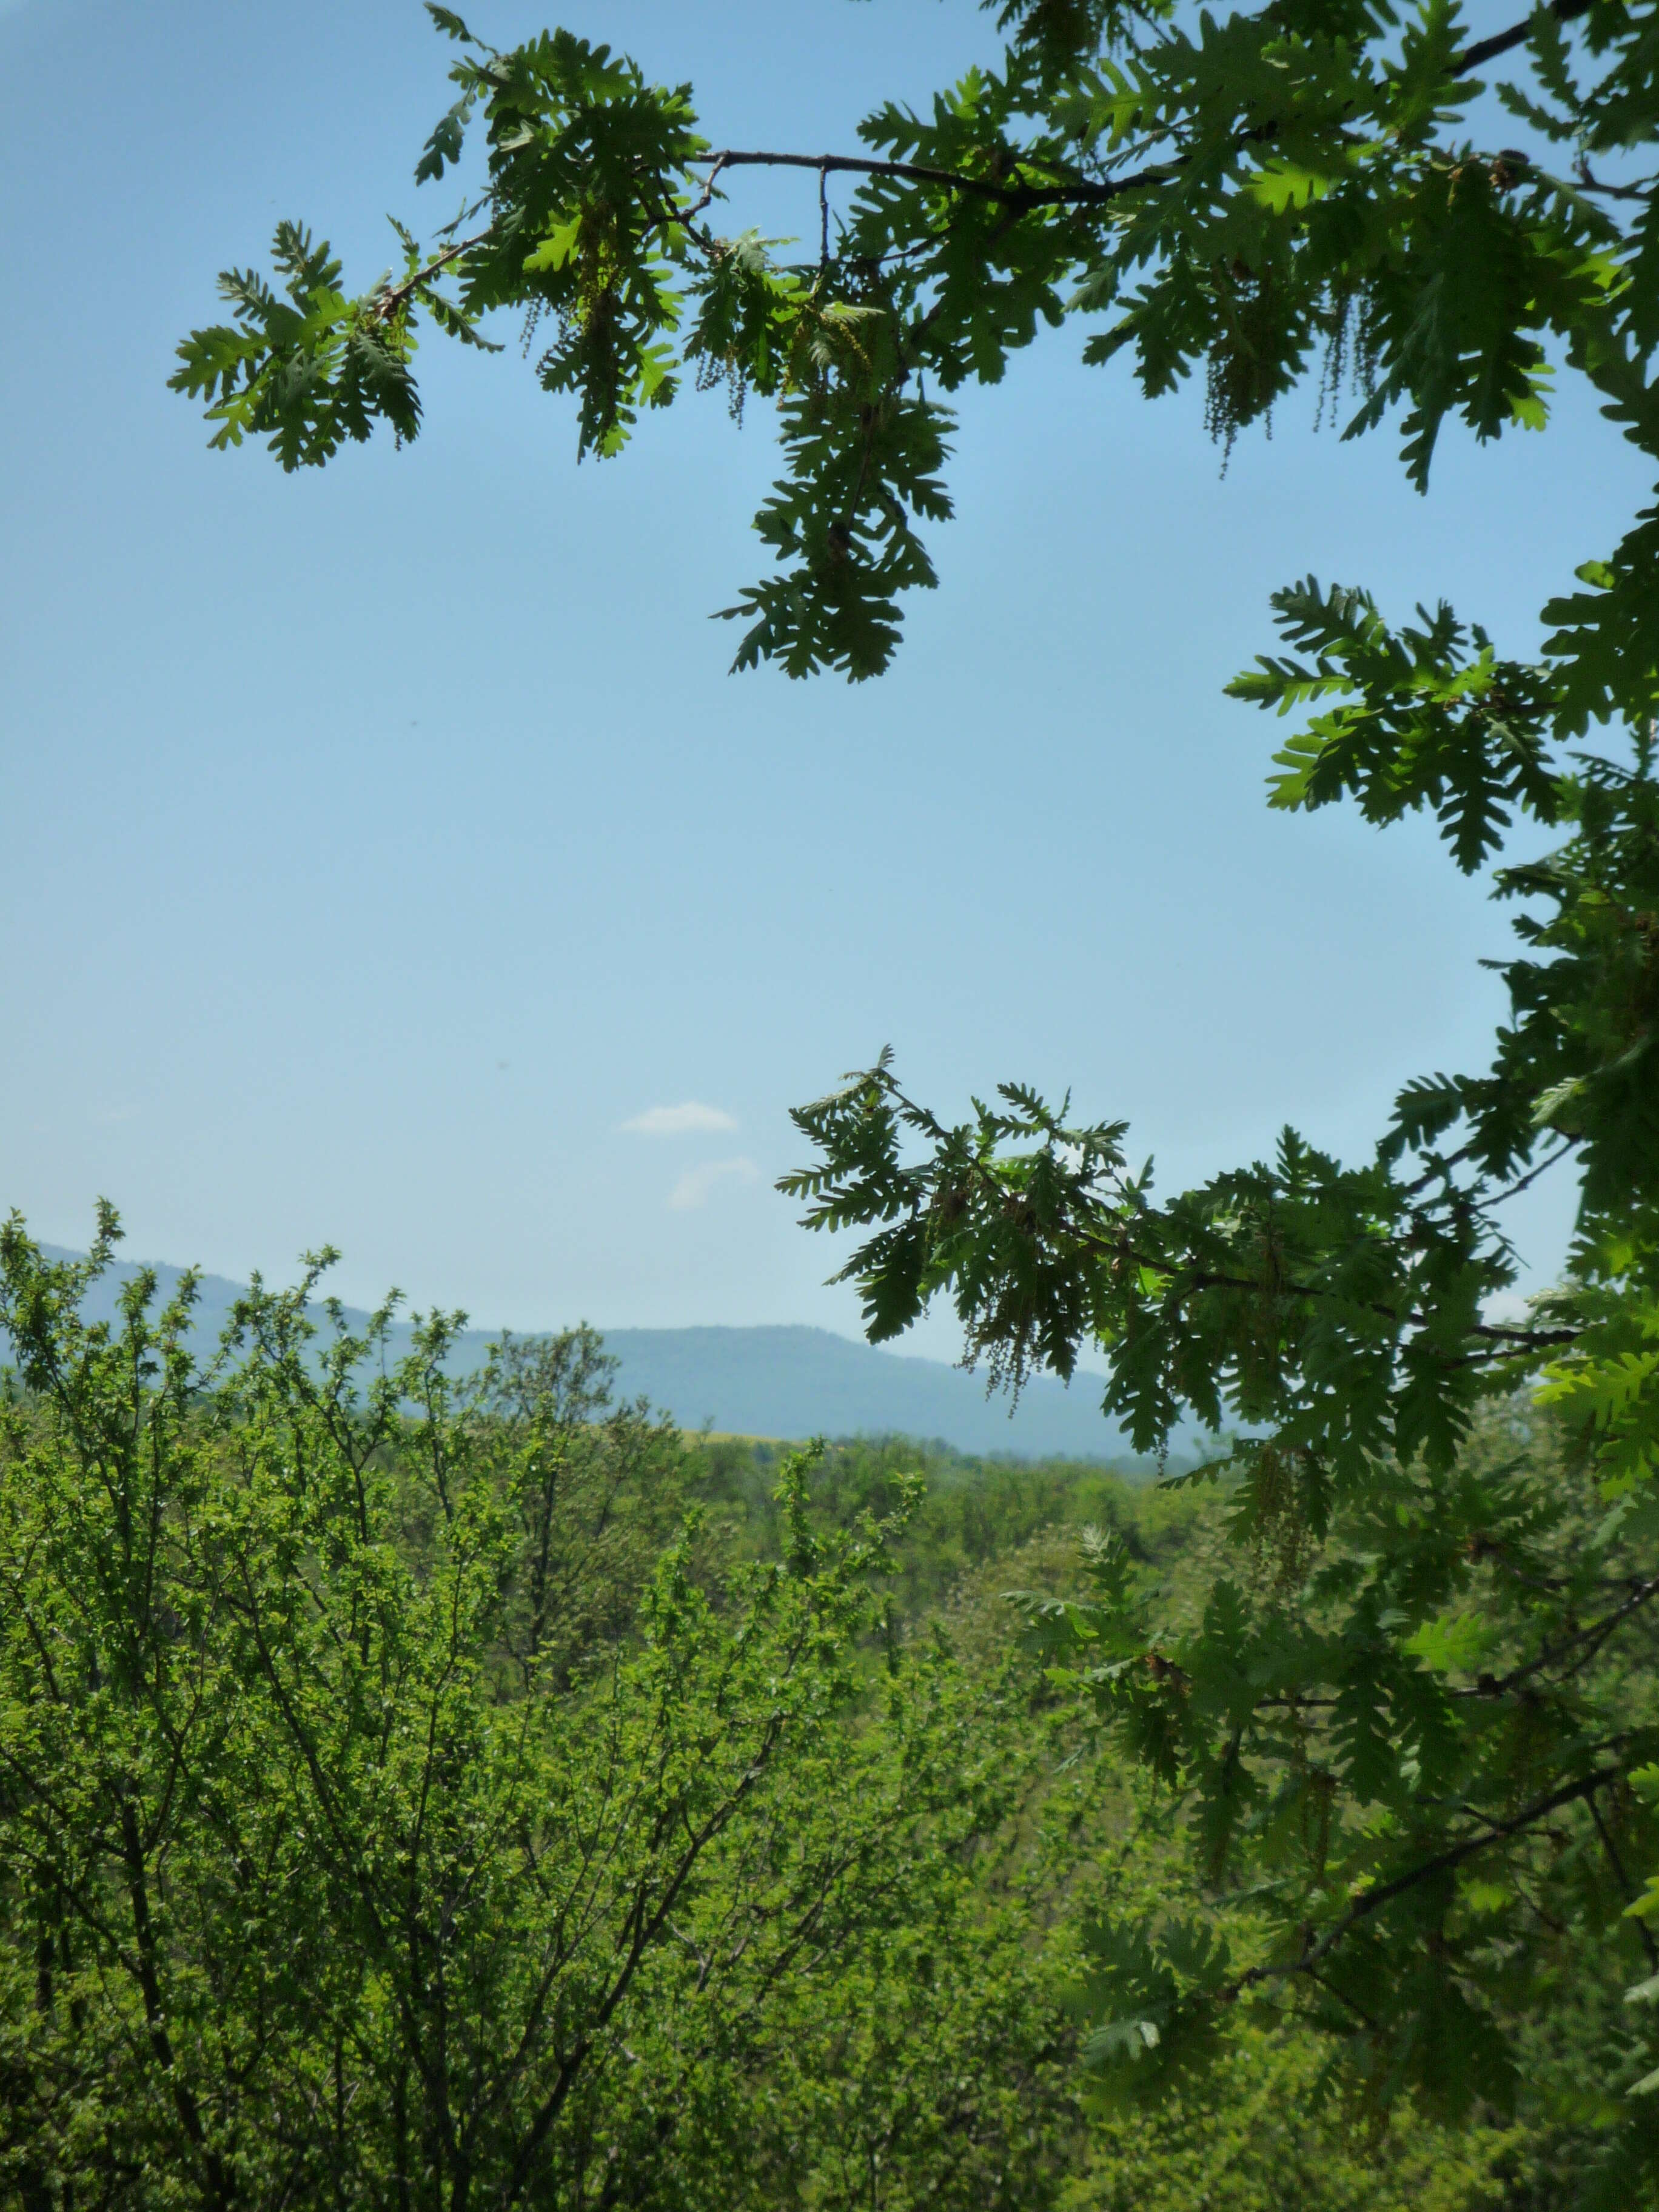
(786, 1381)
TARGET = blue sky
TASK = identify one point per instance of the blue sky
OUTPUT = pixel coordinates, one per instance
(387, 848)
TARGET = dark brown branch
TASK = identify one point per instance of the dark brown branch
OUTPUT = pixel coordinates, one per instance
(1372, 1901)
(1083, 192)
(392, 299)
(1525, 1340)
(1504, 42)
(1594, 1636)
(1589, 182)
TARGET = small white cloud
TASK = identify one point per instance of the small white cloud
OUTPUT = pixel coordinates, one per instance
(694, 1185)
(691, 1119)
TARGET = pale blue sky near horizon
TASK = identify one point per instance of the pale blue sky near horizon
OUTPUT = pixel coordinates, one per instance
(383, 841)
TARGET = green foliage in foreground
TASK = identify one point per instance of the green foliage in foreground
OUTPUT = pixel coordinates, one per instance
(416, 1793)
(376, 1829)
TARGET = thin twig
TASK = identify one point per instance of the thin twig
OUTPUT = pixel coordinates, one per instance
(1625, 1883)
(1084, 192)
(389, 302)
(1516, 1189)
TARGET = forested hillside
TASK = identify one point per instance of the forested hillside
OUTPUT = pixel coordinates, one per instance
(422, 1790)
(761, 1380)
